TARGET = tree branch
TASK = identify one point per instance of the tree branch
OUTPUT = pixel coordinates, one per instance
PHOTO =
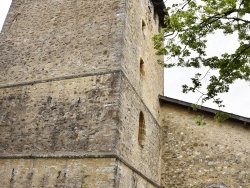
(242, 52)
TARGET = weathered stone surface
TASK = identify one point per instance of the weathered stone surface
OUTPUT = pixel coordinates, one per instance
(196, 156)
(138, 45)
(71, 86)
(70, 115)
(50, 39)
(87, 70)
(127, 178)
(63, 173)
(146, 159)
(216, 185)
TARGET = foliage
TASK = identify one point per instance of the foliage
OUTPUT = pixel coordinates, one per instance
(195, 107)
(221, 116)
(184, 39)
(199, 120)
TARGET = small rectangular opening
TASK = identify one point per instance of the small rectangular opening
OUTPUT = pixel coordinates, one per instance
(143, 25)
(142, 71)
(142, 129)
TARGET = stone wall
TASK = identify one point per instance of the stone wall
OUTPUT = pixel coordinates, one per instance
(212, 155)
(146, 159)
(50, 173)
(48, 39)
(72, 89)
(72, 115)
(129, 179)
(138, 45)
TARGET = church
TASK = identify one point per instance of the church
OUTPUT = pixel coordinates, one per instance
(82, 104)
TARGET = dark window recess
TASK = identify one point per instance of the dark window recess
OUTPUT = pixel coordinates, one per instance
(142, 130)
(159, 28)
(143, 25)
(142, 71)
(155, 17)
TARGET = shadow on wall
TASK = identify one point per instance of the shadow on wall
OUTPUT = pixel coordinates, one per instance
(216, 185)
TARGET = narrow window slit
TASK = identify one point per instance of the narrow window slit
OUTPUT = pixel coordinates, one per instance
(142, 71)
(143, 28)
(142, 130)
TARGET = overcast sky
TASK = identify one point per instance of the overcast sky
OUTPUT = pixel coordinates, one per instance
(237, 101)
(4, 7)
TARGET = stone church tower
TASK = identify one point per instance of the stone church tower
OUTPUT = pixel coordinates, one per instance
(79, 87)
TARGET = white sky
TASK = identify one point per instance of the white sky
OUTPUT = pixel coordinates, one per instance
(237, 101)
(4, 7)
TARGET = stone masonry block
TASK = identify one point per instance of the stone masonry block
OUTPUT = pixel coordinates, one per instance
(61, 116)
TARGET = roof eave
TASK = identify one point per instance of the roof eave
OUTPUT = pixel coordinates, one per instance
(233, 117)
